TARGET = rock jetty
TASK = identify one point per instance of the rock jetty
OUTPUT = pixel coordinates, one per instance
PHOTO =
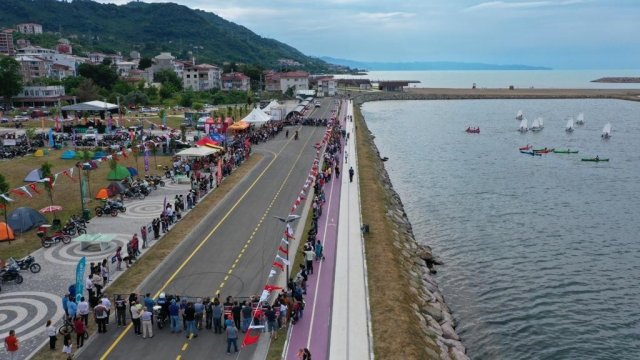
(419, 266)
(621, 80)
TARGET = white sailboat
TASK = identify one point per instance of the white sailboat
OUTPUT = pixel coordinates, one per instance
(569, 127)
(524, 126)
(606, 131)
(519, 115)
(537, 125)
(580, 119)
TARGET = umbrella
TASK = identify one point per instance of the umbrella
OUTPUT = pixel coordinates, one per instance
(132, 171)
(50, 209)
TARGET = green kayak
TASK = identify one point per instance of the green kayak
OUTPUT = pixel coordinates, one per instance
(594, 159)
(565, 151)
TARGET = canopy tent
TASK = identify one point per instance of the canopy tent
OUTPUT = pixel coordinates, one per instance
(24, 219)
(87, 240)
(90, 106)
(198, 152)
(6, 233)
(119, 173)
(272, 105)
(68, 155)
(256, 116)
(207, 141)
(240, 125)
(33, 176)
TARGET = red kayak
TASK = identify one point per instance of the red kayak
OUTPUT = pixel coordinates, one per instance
(524, 148)
(471, 130)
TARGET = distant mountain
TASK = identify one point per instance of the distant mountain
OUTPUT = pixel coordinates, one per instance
(151, 28)
(426, 65)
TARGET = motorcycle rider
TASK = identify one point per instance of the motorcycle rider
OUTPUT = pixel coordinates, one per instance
(164, 308)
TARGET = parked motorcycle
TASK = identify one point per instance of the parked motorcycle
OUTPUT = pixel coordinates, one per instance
(107, 208)
(11, 274)
(154, 181)
(55, 238)
(27, 262)
(71, 228)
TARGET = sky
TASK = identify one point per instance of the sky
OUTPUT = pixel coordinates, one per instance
(562, 34)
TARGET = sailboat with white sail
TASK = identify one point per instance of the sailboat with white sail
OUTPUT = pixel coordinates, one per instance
(519, 115)
(580, 119)
(524, 126)
(569, 127)
(606, 131)
(537, 125)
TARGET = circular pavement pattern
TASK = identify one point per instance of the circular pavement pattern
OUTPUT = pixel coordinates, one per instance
(70, 254)
(143, 209)
(26, 312)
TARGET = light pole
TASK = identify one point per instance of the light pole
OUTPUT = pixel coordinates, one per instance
(289, 219)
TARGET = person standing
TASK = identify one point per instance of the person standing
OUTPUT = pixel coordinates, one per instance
(100, 314)
(119, 258)
(304, 354)
(121, 311)
(11, 344)
(351, 173)
(72, 309)
(199, 313)
(309, 254)
(51, 333)
(67, 346)
(217, 316)
(104, 272)
(83, 310)
(107, 305)
(97, 283)
(147, 328)
(135, 317)
(246, 316)
(232, 338)
(174, 315)
(190, 318)
(271, 317)
(80, 330)
(143, 233)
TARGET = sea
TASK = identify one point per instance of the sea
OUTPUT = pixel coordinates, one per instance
(541, 253)
(557, 79)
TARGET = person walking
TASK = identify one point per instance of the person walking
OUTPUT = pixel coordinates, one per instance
(304, 354)
(12, 344)
(51, 333)
(80, 330)
(232, 338)
(351, 173)
(147, 328)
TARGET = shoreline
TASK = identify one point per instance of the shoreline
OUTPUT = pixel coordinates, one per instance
(496, 93)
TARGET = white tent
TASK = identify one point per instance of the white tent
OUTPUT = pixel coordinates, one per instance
(272, 105)
(197, 151)
(256, 116)
(90, 106)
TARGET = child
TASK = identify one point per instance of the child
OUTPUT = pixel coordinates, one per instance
(67, 346)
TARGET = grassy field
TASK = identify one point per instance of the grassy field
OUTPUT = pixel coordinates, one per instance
(66, 192)
(134, 276)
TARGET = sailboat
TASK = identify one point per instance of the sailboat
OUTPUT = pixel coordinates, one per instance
(519, 115)
(606, 131)
(537, 125)
(524, 126)
(580, 119)
(569, 127)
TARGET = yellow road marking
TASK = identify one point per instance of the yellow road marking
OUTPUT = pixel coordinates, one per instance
(179, 357)
(185, 346)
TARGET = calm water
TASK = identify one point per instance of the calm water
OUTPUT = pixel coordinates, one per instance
(542, 254)
(559, 79)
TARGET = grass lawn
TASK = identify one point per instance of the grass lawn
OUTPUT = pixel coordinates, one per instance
(133, 277)
(65, 193)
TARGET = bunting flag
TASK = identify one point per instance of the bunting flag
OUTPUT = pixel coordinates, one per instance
(264, 296)
(7, 198)
(24, 188)
(283, 250)
(124, 154)
(258, 312)
(34, 187)
(115, 156)
(289, 232)
(52, 183)
(275, 263)
(272, 273)
(19, 192)
(271, 288)
(248, 339)
(281, 259)
(285, 241)
(69, 173)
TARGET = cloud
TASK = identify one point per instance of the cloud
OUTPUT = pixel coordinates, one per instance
(522, 4)
(384, 16)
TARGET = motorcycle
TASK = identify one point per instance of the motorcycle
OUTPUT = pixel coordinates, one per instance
(27, 262)
(117, 205)
(47, 240)
(154, 181)
(72, 227)
(11, 274)
(107, 208)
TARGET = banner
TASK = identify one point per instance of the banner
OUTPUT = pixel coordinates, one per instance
(146, 160)
(80, 278)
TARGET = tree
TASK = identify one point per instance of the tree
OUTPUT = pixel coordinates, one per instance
(145, 63)
(290, 92)
(167, 90)
(71, 83)
(168, 77)
(136, 98)
(10, 79)
(197, 106)
(186, 99)
(103, 75)
(87, 90)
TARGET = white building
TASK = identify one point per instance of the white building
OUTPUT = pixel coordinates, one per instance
(35, 51)
(327, 86)
(29, 28)
(124, 67)
(298, 80)
(201, 77)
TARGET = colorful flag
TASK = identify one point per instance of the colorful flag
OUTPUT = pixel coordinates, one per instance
(278, 265)
(283, 250)
(248, 339)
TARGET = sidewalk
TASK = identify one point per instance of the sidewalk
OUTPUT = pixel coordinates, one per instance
(350, 322)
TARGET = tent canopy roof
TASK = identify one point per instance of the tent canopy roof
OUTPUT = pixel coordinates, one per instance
(198, 152)
(91, 106)
(256, 116)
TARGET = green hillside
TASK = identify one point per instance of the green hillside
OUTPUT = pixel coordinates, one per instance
(150, 29)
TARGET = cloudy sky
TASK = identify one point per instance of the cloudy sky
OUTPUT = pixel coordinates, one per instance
(563, 34)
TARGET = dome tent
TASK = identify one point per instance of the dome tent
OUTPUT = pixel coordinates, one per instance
(24, 219)
(6, 233)
(119, 173)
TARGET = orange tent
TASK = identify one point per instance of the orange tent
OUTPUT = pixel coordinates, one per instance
(240, 125)
(6, 233)
(102, 194)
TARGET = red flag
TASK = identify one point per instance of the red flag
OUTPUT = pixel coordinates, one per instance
(248, 339)
(283, 250)
(278, 265)
(124, 153)
(66, 172)
(34, 187)
(19, 192)
(271, 288)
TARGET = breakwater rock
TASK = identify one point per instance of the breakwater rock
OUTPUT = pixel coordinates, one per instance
(618, 80)
(419, 265)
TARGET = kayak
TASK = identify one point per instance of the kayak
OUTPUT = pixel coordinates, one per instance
(543, 151)
(594, 159)
(530, 153)
(528, 147)
(565, 151)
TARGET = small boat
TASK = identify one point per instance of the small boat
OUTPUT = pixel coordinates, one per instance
(384, 158)
(568, 151)
(606, 131)
(530, 153)
(580, 119)
(595, 159)
(519, 115)
(471, 130)
(528, 147)
(569, 127)
(543, 151)
(537, 125)
(524, 126)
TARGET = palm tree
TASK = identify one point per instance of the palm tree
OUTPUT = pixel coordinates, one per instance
(4, 187)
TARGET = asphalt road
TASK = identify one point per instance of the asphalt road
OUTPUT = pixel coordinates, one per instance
(230, 251)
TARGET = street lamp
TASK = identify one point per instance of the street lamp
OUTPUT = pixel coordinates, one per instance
(289, 219)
